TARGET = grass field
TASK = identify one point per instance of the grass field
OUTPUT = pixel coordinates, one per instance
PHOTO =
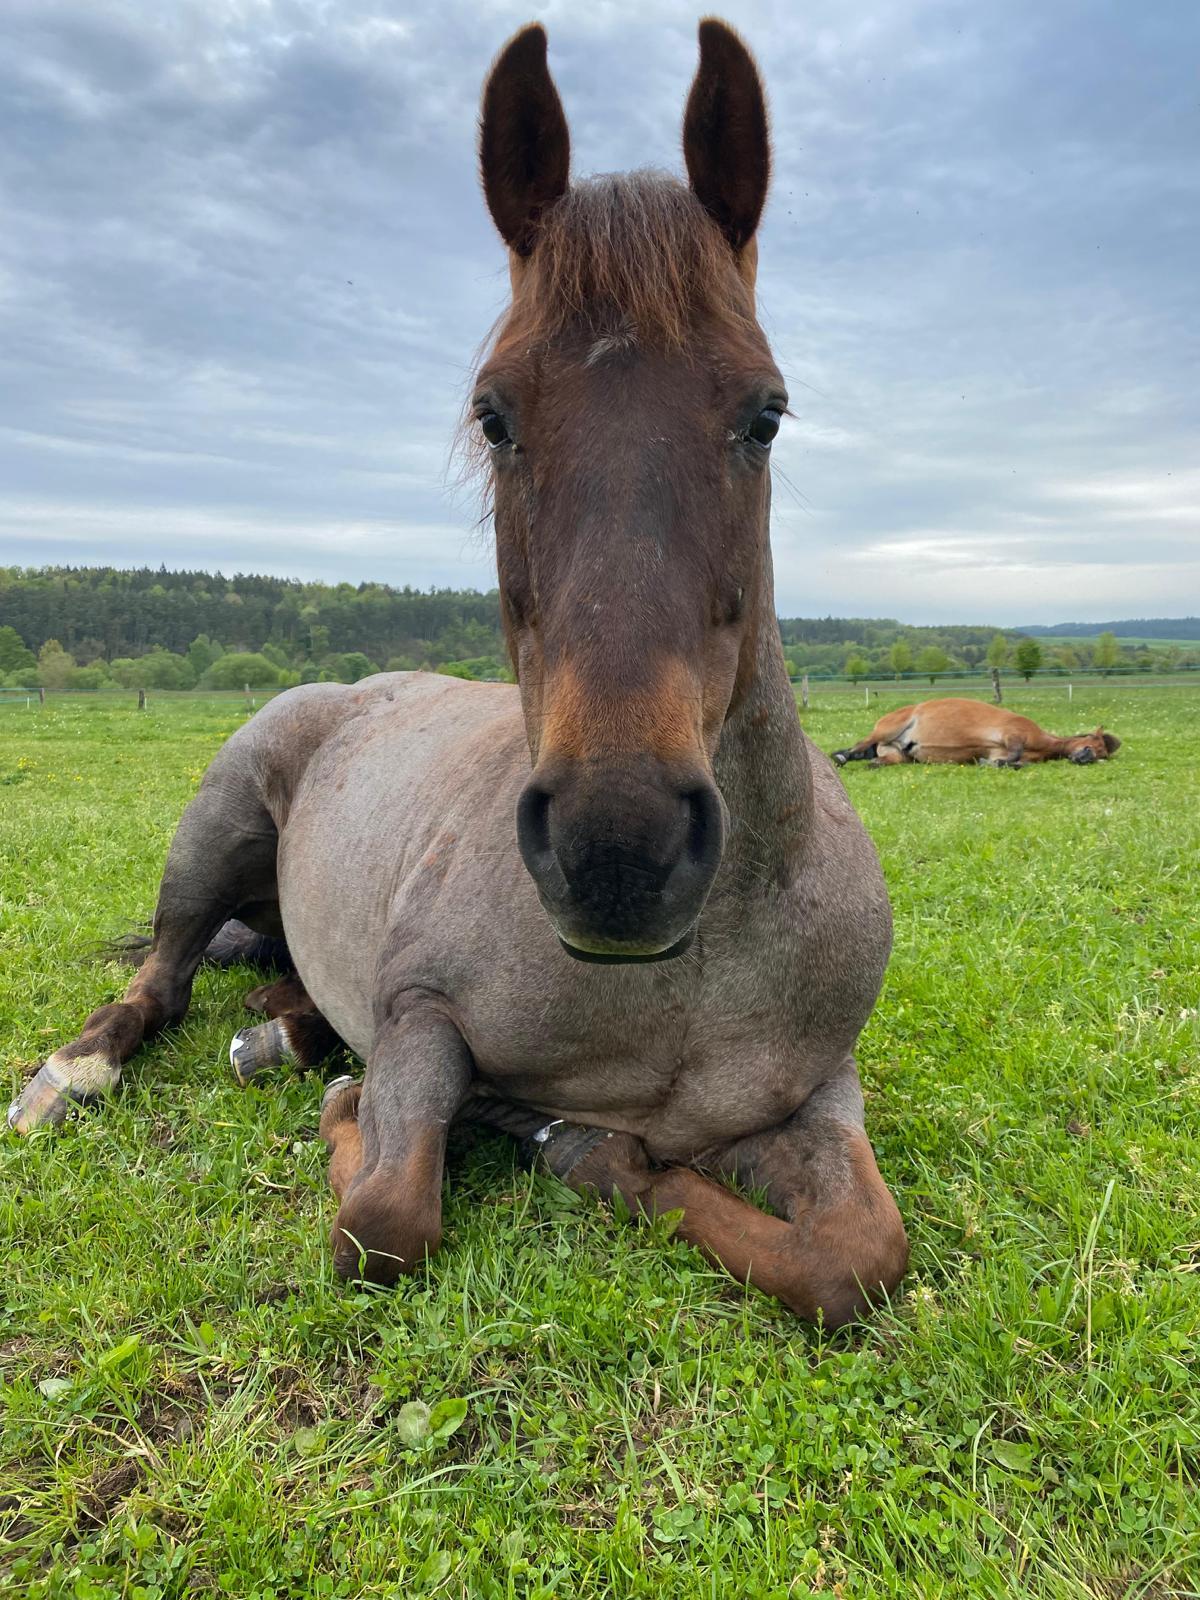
(568, 1407)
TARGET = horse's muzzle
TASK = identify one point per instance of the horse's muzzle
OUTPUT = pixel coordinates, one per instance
(623, 858)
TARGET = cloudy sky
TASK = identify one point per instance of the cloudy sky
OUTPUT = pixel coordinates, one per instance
(244, 267)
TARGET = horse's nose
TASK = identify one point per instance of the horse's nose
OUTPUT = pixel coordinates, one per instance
(623, 859)
(1084, 757)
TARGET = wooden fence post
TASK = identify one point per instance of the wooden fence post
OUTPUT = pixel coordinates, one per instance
(1070, 693)
(41, 697)
(996, 695)
(141, 699)
(804, 691)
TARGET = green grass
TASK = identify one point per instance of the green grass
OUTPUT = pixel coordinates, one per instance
(192, 1405)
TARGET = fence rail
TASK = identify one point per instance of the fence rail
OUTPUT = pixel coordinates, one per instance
(871, 686)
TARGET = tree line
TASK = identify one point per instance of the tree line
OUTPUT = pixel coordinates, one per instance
(1172, 628)
(94, 627)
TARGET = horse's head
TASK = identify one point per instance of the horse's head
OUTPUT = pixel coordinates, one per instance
(1084, 748)
(628, 403)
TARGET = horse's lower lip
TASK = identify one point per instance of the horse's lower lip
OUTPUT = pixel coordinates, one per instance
(629, 958)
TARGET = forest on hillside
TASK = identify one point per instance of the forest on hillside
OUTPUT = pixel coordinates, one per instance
(91, 627)
(1130, 627)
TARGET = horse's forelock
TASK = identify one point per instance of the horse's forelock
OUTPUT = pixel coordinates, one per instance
(633, 256)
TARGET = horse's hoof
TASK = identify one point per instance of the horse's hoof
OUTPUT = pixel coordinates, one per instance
(334, 1087)
(840, 758)
(56, 1087)
(255, 1050)
(39, 1105)
(561, 1146)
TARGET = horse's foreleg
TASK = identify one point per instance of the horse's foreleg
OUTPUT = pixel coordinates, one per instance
(838, 1241)
(1009, 754)
(864, 750)
(388, 1142)
(223, 853)
(844, 1245)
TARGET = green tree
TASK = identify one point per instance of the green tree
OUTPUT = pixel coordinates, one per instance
(349, 668)
(997, 652)
(163, 669)
(22, 678)
(14, 657)
(932, 660)
(160, 669)
(93, 677)
(856, 667)
(55, 666)
(201, 655)
(1028, 657)
(1107, 653)
(122, 669)
(1067, 657)
(900, 657)
(240, 667)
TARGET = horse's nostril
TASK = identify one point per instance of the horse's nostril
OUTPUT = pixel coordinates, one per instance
(533, 824)
(704, 833)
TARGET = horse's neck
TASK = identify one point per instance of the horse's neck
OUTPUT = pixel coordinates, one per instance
(762, 764)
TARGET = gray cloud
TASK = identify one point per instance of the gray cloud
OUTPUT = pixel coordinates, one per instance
(244, 268)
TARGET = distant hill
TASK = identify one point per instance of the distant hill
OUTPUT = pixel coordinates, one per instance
(1130, 628)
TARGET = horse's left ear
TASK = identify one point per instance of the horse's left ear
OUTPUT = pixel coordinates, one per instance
(725, 141)
(1111, 742)
(524, 145)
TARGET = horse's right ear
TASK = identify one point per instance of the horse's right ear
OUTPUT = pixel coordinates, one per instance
(524, 146)
(726, 145)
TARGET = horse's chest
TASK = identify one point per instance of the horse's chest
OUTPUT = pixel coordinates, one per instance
(683, 1072)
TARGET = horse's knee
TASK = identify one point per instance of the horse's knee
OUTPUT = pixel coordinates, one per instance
(849, 1271)
(390, 1218)
(383, 1229)
(888, 755)
(851, 1253)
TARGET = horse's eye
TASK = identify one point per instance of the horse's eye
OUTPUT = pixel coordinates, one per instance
(494, 429)
(765, 426)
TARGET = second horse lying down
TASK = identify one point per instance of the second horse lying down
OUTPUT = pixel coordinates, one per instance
(966, 731)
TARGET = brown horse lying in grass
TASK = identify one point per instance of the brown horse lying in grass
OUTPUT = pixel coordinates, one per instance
(624, 910)
(968, 730)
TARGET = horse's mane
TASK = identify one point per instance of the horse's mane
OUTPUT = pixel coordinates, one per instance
(630, 255)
